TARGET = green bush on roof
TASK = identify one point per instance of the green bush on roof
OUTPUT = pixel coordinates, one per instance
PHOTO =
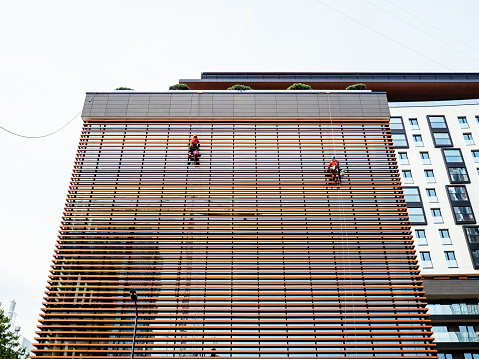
(239, 87)
(356, 87)
(299, 86)
(179, 87)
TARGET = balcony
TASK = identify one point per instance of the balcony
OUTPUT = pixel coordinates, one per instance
(456, 337)
(461, 309)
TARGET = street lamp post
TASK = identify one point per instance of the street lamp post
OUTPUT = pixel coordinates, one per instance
(134, 298)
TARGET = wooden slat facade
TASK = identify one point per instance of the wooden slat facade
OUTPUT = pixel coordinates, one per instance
(253, 253)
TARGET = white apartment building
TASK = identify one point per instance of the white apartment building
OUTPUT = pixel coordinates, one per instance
(437, 145)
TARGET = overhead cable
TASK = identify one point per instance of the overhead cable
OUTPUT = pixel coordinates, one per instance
(437, 28)
(418, 28)
(42, 136)
(384, 35)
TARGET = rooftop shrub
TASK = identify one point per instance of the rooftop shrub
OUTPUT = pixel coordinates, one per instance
(179, 87)
(299, 86)
(123, 88)
(239, 87)
(356, 87)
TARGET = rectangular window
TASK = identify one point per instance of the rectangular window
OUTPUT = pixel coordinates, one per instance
(399, 140)
(450, 259)
(411, 194)
(437, 121)
(472, 234)
(403, 160)
(416, 215)
(477, 119)
(475, 257)
(442, 139)
(418, 140)
(425, 259)
(407, 176)
(421, 237)
(463, 122)
(475, 155)
(463, 214)
(470, 356)
(453, 156)
(429, 176)
(458, 193)
(436, 215)
(431, 195)
(425, 158)
(458, 174)
(468, 138)
(444, 234)
(395, 123)
(414, 124)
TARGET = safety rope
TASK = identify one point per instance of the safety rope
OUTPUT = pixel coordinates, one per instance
(342, 225)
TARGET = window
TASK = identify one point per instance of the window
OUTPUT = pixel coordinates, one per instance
(444, 234)
(436, 215)
(431, 195)
(442, 139)
(416, 215)
(463, 214)
(403, 160)
(477, 119)
(458, 174)
(470, 356)
(399, 140)
(463, 122)
(421, 237)
(425, 158)
(414, 124)
(407, 176)
(425, 259)
(437, 122)
(458, 193)
(468, 138)
(475, 155)
(444, 355)
(472, 234)
(411, 194)
(453, 156)
(429, 176)
(395, 123)
(418, 140)
(450, 259)
(475, 257)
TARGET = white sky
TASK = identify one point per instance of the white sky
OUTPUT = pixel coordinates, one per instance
(52, 52)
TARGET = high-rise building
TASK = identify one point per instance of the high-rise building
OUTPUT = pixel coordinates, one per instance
(253, 252)
(435, 128)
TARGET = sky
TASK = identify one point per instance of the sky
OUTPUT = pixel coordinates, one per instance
(52, 52)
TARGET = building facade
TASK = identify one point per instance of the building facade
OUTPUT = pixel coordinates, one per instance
(253, 252)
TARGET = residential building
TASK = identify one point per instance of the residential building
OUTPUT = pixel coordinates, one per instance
(253, 252)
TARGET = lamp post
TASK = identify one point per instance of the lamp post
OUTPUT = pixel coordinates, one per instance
(134, 298)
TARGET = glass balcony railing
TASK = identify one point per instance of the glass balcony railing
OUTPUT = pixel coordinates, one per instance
(458, 309)
(457, 337)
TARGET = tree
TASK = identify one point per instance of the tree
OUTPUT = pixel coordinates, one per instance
(9, 347)
(123, 88)
(299, 86)
(356, 87)
(239, 87)
(179, 87)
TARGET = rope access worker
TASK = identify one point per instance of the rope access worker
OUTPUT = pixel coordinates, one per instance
(334, 169)
(193, 150)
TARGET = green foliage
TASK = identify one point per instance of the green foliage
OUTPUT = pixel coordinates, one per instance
(9, 347)
(299, 86)
(356, 87)
(123, 88)
(239, 87)
(179, 87)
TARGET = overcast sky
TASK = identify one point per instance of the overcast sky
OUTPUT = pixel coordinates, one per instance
(52, 52)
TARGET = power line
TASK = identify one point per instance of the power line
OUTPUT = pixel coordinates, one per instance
(384, 35)
(49, 134)
(418, 28)
(437, 28)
